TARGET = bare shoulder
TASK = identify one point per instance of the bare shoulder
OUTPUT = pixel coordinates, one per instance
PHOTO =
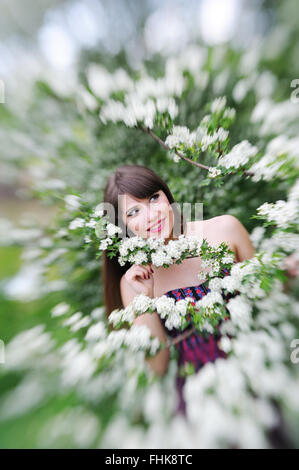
(228, 223)
(216, 230)
(225, 221)
(194, 227)
(231, 230)
(197, 227)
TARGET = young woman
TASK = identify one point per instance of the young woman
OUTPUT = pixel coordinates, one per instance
(145, 210)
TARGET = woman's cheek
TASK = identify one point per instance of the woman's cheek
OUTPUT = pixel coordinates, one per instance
(136, 226)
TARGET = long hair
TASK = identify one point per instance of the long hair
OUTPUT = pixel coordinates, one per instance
(140, 182)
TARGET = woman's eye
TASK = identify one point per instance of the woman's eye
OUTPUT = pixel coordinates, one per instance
(132, 213)
(155, 196)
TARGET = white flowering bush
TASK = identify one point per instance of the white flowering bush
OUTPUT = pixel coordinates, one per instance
(218, 127)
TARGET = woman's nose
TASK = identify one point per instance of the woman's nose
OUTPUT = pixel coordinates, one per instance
(153, 215)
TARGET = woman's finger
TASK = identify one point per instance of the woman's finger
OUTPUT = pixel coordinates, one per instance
(146, 270)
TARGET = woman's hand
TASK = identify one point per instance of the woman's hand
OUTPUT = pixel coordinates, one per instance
(141, 279)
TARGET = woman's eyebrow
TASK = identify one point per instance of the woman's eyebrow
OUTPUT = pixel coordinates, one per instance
(133, 207)
(130, 208)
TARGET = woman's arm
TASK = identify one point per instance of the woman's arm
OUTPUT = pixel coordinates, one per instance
(158, 363)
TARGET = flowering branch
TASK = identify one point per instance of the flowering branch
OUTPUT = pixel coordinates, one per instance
(166, 147)
(148, 131)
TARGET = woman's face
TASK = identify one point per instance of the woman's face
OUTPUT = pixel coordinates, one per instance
(149, 217)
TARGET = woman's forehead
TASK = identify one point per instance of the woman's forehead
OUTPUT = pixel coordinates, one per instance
(126, 200)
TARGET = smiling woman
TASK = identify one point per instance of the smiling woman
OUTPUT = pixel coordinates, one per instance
(148, 215)
(144, 200)
(146, 210)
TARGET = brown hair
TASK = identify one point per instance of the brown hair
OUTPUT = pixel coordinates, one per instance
(140, 182)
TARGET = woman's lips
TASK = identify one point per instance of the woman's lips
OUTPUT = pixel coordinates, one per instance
(158, 228)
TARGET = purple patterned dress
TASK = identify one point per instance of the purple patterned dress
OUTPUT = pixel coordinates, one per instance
(198, 348)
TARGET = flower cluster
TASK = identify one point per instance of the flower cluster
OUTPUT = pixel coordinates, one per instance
(214, 172)
(282, 213)
(281, 155)
(143, 100)
(204, 314)
(137, 338)
(182, 139)
(238, 156)
(102, 342)
(137, 250)
(134, 111)
(180, 136)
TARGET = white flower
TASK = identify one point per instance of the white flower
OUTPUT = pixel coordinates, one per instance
(229, 113)
(239, 155)
(231, 283)
(141, 303)
(82, 323)
(61, 233)
(73, 319)
(164, 305)
(91, 223)
(97, 313)
(222, 134)
(115, 316)
(213, 172)
(208, 327)
(294, 192)
(77, 368)
(72, 201)
(215, 284)
(98, 212)
(112, 229)
(216, 266)
(138, 337)
(225, 344)
(76, 223)
(103, 83)
(159, 258)
(218, 104)
(181, 306)
(154, 243)
(173, 320)
(180, 135)
(227, 259)
(167, 104)
(210, 299)
(139, 257)
(240, 311)
(282, 213)
(96, 332)
(128, 314)
(116, 338)
(60, 309)
(105, 243)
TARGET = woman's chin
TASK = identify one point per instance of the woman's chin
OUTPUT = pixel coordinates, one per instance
(164, 234)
